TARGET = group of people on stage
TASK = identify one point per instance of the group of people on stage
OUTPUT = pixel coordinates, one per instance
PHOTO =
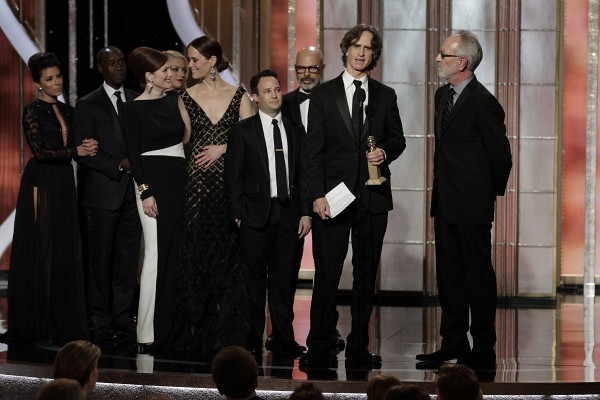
(223, 198)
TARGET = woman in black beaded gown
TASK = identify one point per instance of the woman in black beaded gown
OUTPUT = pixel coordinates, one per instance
(212, 300)
(46, 299)
(156, 127)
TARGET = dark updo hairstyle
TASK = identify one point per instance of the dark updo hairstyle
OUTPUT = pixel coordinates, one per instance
(146, 59)
(39, 62)
(209, 47)
(353, 36)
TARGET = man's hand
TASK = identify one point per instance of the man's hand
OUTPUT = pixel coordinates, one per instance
(304, 226)
(321, 207)
(376, 157)
(125, 164)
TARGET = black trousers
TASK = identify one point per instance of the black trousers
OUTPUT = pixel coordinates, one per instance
(466, 281)
(330, 246)
(114, 248)
(270, 256)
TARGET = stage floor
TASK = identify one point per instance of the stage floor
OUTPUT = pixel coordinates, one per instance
(549, 349)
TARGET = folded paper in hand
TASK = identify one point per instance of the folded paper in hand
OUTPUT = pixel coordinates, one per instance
(339, 198)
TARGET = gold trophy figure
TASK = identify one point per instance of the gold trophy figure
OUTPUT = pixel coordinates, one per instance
(375, 177)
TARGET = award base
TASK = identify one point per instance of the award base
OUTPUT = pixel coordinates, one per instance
(375, 177)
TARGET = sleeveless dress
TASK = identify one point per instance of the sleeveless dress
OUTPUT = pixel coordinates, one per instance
(46, 298)
(211, 296)
(153, 135)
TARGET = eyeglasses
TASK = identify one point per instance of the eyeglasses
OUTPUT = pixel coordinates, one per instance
(444, 55)
(313, 69)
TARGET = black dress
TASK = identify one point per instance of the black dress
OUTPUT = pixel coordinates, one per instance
(212, 301)
(153, 136)
(46, 299)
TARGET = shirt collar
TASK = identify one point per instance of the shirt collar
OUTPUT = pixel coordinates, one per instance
(461, 86)
(267, 119)
(349, 80)
(110, 90)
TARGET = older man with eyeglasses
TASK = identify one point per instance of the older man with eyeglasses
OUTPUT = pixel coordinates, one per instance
(472, 163)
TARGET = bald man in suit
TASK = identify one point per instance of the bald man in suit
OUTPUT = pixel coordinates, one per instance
(113, 224)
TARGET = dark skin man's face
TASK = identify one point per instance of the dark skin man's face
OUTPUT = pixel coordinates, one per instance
(111, 65)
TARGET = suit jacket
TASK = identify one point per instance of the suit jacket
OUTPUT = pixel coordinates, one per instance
(95, 117)
(333, 155)
(247, 179)
(290, 108)
(472, 159)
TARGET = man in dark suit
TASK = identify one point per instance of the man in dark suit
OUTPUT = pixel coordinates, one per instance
(265, 198)
(113, 224)
(337, 153)
(309, 73)
(472, 163)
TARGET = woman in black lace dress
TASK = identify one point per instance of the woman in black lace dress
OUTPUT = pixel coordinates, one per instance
(46, 299)
(211, 295)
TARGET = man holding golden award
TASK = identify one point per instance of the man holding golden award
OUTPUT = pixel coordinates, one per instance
(375, 177)
(335, 161)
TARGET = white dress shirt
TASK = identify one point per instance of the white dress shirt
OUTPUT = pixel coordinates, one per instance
(267, 125)
(111, 94)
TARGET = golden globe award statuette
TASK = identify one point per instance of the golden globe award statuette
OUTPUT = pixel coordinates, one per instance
(375, 177)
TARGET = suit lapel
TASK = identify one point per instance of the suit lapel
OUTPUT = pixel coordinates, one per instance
(342, 105)
(460, 102)
(374, 92)
(110, 110)
(261, 144)
(289, 133)
(297, 117)
(440, 113)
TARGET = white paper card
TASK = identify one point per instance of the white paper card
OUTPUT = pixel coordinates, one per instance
(339, 198)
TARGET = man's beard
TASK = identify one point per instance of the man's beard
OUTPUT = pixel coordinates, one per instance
(308, 86)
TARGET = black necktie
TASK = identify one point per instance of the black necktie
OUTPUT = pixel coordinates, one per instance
(448, 109)
(280, 175)
(357, 102)
(117, 94)
(302, 97)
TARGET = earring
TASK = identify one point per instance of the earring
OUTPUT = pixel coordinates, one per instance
(213, 73)
(39, 89)
(149, 85)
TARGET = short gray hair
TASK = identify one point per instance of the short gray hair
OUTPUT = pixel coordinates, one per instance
(470, 48)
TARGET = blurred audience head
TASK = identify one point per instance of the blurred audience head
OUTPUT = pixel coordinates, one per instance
(307, 391)
(78, 360)
(60, 389)
(235, 372)
(407, 392)
(378, 385)
(457, 382)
